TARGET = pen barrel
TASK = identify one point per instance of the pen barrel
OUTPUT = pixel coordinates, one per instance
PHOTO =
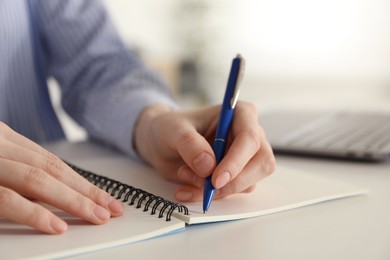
(221, 136)
(219, 148)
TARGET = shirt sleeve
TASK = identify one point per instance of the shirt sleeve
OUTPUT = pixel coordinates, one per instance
(104, 85)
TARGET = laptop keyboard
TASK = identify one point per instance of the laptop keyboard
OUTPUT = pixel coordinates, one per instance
(365, 136)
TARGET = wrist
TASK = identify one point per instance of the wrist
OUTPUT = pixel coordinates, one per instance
(144, 128)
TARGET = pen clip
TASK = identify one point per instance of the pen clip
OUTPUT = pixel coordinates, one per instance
(240, 76)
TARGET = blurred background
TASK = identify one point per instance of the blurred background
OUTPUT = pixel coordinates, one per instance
(310, 54)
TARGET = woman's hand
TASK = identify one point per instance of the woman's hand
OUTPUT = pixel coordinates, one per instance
(178, 145)
(29, 172)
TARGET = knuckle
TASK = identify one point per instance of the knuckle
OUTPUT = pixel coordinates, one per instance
(250, 189)
(186, 138)
(53, 165)
(252, 107)
(5, 197)
(167, 174)
(37, 216)
(84, 207)
(254, 137)
(235, 167)
(94, 193)
(35, 177)
(80, 200)
(269, 165)
(79, 205)
(247, 105)
(233, 188)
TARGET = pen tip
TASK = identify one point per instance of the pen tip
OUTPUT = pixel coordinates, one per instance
(204, 211)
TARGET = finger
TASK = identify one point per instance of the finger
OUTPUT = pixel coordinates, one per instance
(187, 176)
(247, 135)
(54, 166)
(18, 209)
(35, 183)
(188, 193)
(195, 150)
(249, 189)
(8, 134)
(259, 167)
(243, 148)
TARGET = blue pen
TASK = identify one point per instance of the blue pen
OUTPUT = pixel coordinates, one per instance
(224, 122)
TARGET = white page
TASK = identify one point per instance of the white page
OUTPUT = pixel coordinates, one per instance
(19, 241)
(285, 189)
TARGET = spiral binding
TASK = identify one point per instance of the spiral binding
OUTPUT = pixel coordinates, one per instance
(137, 197)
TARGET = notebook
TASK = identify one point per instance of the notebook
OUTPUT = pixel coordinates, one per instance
(361, 136)
(284, 190)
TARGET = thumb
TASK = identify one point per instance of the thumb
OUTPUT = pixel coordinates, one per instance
(195, 150)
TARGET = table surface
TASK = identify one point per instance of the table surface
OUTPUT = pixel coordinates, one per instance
(353, 228)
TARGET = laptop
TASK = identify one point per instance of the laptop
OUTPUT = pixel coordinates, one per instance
(345, 135)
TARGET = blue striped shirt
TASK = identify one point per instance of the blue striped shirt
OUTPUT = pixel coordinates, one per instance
(104, 86)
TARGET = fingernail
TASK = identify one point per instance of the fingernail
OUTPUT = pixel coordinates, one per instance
(222, 180)
(185, 174)
(58, 225)
(203, 163)
(115, 206)
(101, 213)
(183, 195)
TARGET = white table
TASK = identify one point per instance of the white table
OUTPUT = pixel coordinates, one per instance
(354, 228)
